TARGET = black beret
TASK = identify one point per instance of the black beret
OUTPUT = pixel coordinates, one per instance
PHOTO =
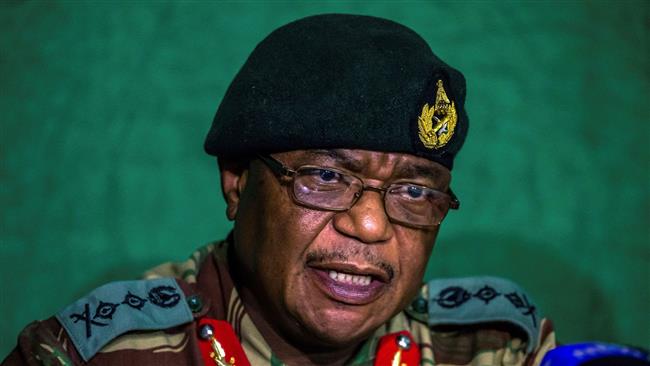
(342, 81)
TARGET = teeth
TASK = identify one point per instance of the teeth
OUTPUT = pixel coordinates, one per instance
(348, 278)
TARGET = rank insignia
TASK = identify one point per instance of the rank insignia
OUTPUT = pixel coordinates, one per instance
(119, 307)
(474, 300)
(437, 123)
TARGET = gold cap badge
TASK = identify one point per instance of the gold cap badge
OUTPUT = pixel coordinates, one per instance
(443, 113)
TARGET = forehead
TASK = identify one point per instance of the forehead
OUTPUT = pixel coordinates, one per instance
(371, 164)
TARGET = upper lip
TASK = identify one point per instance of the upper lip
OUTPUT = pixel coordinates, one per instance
(354, 269)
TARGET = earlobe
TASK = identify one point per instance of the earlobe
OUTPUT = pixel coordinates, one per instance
(233, 182)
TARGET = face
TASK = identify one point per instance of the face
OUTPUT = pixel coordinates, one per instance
(329, 278)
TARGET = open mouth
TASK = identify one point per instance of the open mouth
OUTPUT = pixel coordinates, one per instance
(349, 284)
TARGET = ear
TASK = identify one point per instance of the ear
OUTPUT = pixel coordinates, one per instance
(234, 174)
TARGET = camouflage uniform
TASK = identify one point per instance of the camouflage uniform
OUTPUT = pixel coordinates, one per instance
(207, 286)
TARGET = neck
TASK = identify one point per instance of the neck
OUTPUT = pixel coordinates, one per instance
(285, 347)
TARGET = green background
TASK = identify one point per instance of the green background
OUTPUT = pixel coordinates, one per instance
(104, 107)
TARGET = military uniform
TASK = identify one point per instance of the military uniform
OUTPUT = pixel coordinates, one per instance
(471, 328)
(329, 81)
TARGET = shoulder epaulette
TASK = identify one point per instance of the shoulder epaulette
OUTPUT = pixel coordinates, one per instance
(119, 307)
(472, 300)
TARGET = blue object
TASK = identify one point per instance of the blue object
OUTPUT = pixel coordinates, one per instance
(471, 300)
(119, 307)
(595, 353)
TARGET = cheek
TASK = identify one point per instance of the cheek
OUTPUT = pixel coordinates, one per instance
(415, 245)
(295, 231)
(415, 249)
(284, 240)
(292, 230)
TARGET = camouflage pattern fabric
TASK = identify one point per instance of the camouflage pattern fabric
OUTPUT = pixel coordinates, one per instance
(205, 274)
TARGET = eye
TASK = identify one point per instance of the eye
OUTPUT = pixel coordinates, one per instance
(321, 179)
(327, 175)
(323, 176)
(411, 193)
(414, 191)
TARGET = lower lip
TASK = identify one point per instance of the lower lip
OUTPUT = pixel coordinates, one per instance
(347, 293)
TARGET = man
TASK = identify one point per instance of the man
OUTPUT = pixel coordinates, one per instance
(335, 144)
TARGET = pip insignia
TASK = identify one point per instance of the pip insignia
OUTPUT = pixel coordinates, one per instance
(487, 294)
(452, 297)
(164, 296)
(443, 113)
(134, 301)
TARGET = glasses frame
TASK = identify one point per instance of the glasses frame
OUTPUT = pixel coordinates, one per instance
(282, 170)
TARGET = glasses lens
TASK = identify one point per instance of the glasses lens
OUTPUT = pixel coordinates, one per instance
(325, 188)
(416, 205)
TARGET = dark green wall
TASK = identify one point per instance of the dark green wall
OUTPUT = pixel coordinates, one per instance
(104, 107)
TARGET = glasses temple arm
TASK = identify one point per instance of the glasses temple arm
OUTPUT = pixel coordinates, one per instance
(455, 202)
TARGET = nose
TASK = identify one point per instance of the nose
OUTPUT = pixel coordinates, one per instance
(366, 220)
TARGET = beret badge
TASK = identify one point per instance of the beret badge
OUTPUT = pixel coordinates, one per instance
(437, 123)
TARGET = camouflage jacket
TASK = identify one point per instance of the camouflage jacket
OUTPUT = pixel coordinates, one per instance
(471, 321)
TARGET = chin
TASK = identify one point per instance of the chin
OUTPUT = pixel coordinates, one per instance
(340, 338)
(339, 327)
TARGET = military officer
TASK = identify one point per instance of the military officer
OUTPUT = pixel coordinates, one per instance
(335, 143)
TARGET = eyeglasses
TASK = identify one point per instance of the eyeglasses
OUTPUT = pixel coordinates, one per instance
(331, 189)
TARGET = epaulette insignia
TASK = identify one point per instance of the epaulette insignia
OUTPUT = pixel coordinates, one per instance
(443, 113)
(119, 307)
(472, 300)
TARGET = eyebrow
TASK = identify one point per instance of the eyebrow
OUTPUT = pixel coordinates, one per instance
(415, 171)
(411, 171)
(344, 160)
